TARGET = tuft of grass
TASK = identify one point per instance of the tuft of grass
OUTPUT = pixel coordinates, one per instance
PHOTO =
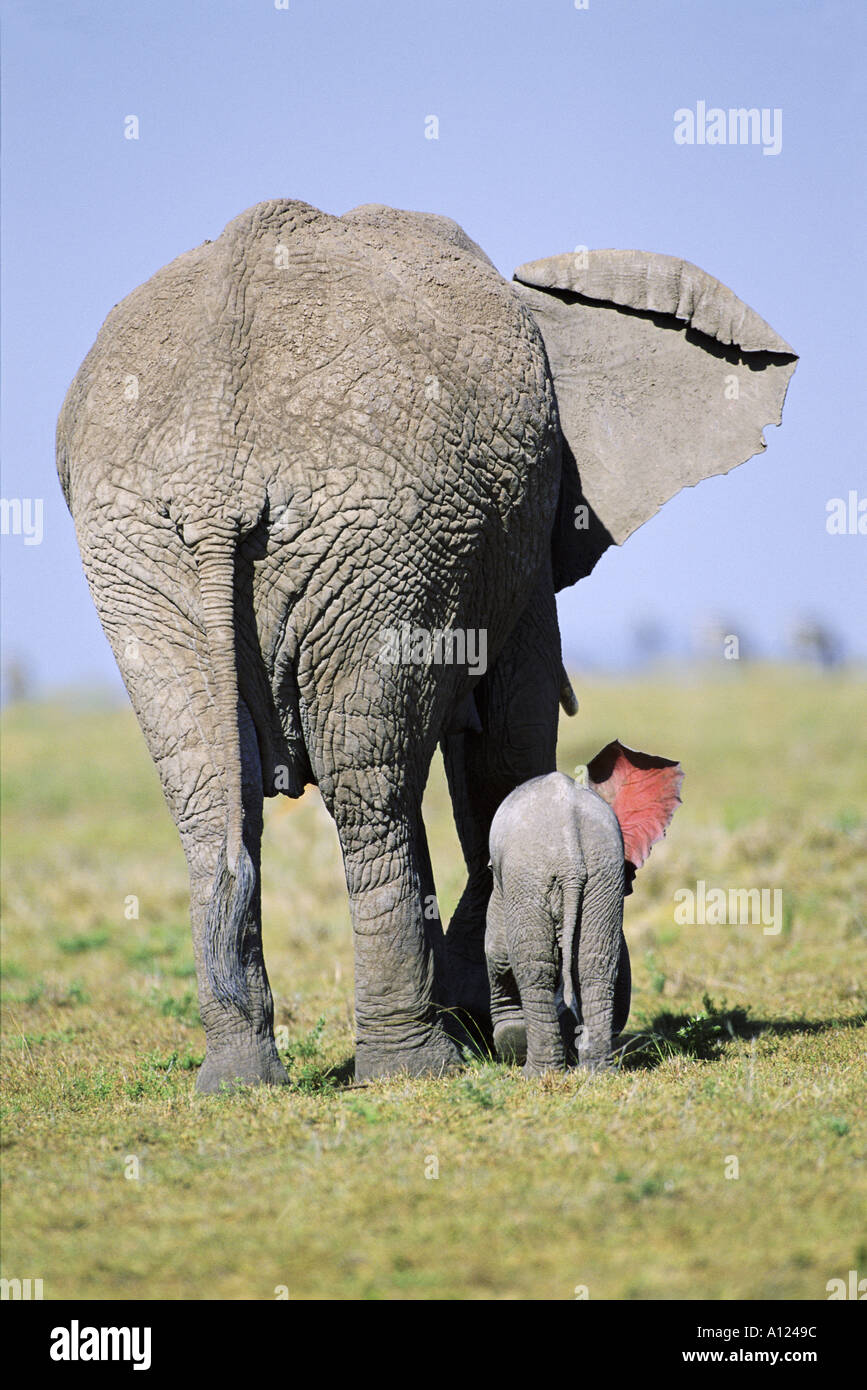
(54, 1035)
(30, 996)
(158, 1076)
(701, 1035)
(837, 1125)
(77, 945)
(371, 1114)
(76, 994)
(184, 1009)
(309, 1045)
(480, 1089)
(657, 977)
(303, 1059)
(314, 1080)
(11, 970)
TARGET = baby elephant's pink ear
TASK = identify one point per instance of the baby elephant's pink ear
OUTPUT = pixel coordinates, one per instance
(642, 791)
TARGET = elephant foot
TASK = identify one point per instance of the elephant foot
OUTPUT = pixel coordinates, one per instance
(600, 1063)
(531, 1069)
(247, 1062)
(434, 1054)
(546, 1056)
(510, 1041)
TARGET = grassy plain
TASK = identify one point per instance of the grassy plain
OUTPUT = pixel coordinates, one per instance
(725, 1158)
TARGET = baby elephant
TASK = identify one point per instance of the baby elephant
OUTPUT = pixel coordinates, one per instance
(563, 857)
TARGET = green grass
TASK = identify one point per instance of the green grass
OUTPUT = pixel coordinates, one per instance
(744, 1052)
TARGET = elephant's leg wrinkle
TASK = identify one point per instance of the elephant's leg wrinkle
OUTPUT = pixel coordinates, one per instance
(622, 989)
(433, 928)
(594, 1047)
(537, 982)
(240, 1045)
(530, 949)
(389, 879)
(173, 700)
(598, 965)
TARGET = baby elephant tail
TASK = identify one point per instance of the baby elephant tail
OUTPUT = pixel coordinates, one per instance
(572, 893)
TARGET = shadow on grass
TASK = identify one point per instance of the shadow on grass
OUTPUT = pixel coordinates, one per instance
(701, 1036)
(343, 1073)
(704, 1036)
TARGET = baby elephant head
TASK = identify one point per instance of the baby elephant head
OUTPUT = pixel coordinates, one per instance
(564, 856)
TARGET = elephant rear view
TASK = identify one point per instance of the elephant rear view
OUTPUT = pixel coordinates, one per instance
(326, 475)
(290, 449)
(563, 857)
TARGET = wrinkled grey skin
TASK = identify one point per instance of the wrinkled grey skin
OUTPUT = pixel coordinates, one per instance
(555, 924)
(289, 440)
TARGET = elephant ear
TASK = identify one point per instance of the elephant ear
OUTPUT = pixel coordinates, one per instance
(663, 377)
(643, 791)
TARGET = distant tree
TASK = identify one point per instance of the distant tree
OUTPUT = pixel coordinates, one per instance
(816, 641)
(649, 640)
(723, 639)
(18, 683)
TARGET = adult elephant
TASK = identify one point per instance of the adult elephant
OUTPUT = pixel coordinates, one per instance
(316, 432)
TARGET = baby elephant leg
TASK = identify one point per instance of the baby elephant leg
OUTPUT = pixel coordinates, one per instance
(535, 962)
(599, 970)
(537, 982)
(507, 1017)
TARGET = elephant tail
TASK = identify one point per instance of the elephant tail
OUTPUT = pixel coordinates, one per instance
(235, 878)
(568, 698)
(571, 907)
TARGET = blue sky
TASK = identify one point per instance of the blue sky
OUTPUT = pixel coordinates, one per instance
(555, 129)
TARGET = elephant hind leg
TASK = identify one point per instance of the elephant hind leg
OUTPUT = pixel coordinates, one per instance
(234, 994)
(600, 957)
(159, 649)
(536, 968)
(622, 990)
(545, 1050)
(397, 942)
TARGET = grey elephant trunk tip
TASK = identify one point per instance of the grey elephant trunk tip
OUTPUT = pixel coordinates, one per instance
(225, 930)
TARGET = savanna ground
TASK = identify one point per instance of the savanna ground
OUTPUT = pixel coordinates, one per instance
(744, 1051)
